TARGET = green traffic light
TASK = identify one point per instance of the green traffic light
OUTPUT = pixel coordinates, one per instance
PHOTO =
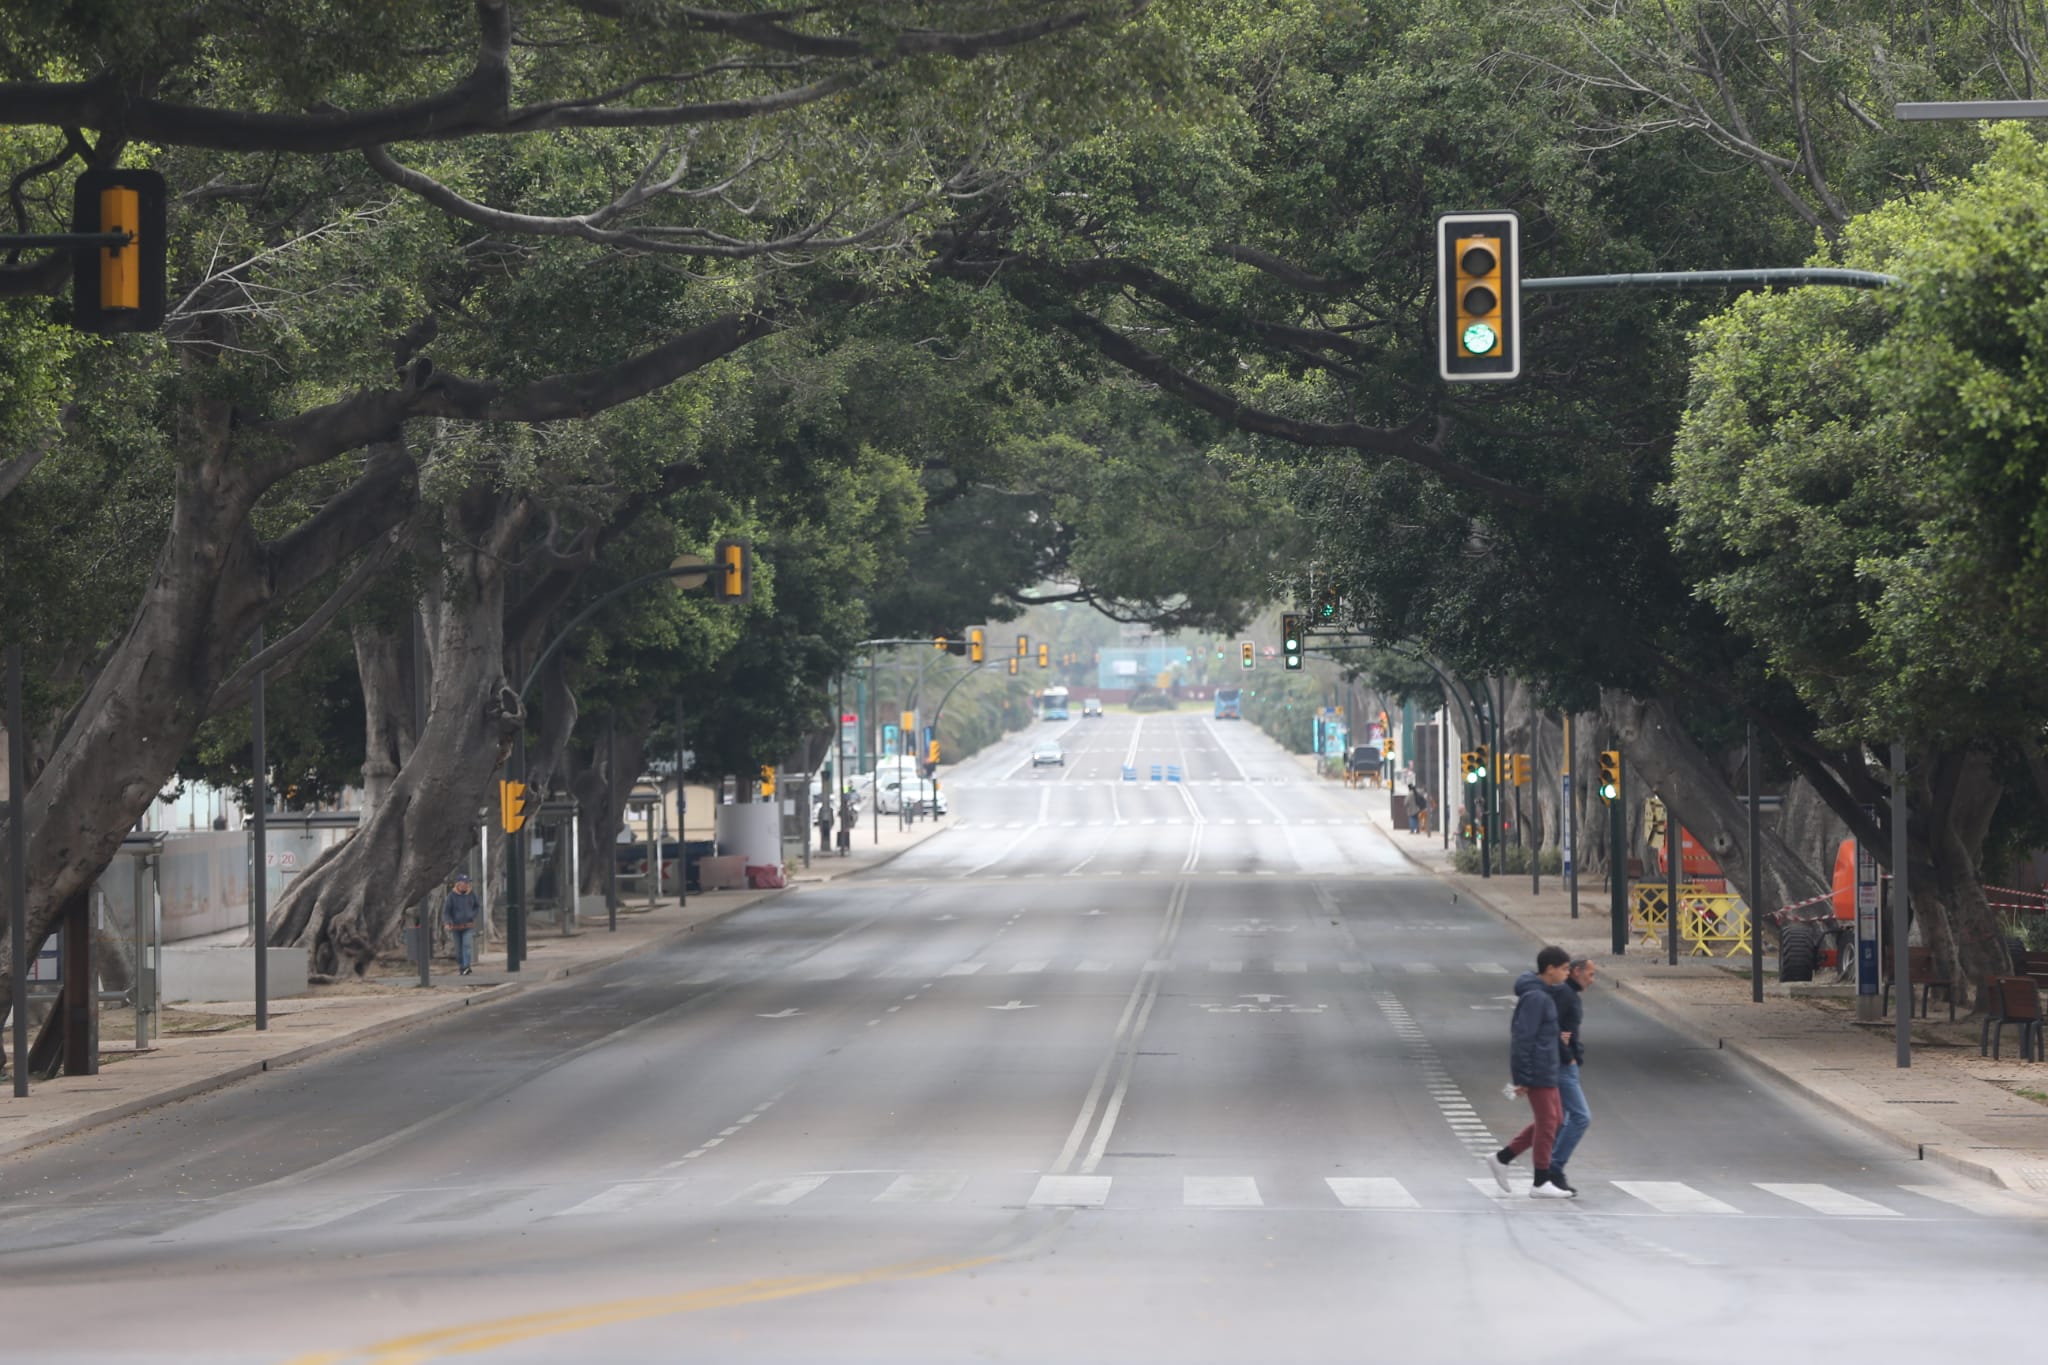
(1479, 338)
(1608, 791)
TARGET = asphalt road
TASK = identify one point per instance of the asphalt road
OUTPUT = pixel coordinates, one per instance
(1108, 1071)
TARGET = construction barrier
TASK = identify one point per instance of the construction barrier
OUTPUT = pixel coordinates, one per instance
(1707, 920)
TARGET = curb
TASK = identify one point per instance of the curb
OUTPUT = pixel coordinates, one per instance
(1935, 1153)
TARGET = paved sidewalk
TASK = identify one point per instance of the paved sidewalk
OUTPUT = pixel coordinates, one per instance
(1976, 1120)
(215, 1044)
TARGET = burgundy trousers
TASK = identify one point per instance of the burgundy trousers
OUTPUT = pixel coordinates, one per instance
(1549, 1110)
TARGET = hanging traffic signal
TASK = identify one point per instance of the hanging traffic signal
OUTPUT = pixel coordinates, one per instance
(1468, 764)
(1327, 603)
(511, 806)
(1479, 283)
(119, 288)
(1290, 640)
(1013, 668)
(1518, 770)
(975, 652)
(732, 571)
(1483, 761)
(931, 753)
(950, 644)
(1249, 654)
(1023, 646)
(1045, 656)
(1610, 774)
(767, 780)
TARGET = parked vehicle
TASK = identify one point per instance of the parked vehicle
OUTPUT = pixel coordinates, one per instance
(924, 797)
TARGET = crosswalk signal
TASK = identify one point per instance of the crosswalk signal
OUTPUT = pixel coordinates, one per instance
(732, 571)
(1045, 656)
(512, 806)
(1479, 284)
(119, 288)
(975, 651)
(1290, 640)
(1610, 774)
(1248, 655)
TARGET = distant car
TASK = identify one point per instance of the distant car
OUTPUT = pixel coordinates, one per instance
(1048, 752)
(1091, 706)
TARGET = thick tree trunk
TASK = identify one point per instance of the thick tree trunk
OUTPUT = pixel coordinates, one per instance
(1956, 920)
(351, 904)
(1658, 750)
(601, 790)
(387, 708)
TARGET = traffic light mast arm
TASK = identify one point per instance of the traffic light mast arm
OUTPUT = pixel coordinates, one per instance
(1712, 279)
(679, 571)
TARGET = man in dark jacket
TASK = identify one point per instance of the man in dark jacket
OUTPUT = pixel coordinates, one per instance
(1535, 1059)
(1578, 1116)
(459, 912)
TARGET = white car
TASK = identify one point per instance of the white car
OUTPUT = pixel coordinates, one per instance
(924, 797)
(1045, 751)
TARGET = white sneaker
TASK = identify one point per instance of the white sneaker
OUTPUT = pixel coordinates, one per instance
(1499, 1170)
(1550, 1191)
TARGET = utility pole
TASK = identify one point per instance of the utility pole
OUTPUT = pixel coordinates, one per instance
(1617, 858)
(259, 872)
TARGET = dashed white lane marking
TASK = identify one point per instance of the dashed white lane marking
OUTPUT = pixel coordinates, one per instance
(1673, 1196)
(1445, 1092)
(328, 1211)
(1826, 1199)
(787, 1190)
(1370, 1192)
(1220, 1192)
(1070, 1191)
(621, 1197)
(923, 1187)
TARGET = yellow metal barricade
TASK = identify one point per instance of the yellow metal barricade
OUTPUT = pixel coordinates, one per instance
(1710, 923)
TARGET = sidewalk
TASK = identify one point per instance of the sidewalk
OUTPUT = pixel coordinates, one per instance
(1983, 1118)
(208, 1045)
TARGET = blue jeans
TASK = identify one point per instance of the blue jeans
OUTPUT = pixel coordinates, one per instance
(465, 944)
(1577, 1117)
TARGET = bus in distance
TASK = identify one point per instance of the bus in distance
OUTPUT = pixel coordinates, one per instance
(1052, 704)
(1229, 703)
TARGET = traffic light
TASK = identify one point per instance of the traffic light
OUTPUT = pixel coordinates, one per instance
(118, 288)
(1013, 668)
(975, 651)
(1479, 284)
(1045, 656)
(1247, 654)
(1290, 640)
(1468, 764)
(767, 780)
(1518, 770)
(1482, 764)
(515, 804)
(950, 644)
(1610, 774)
(931, 753)
(1327, 602)
(1023, 646)
(732, 571)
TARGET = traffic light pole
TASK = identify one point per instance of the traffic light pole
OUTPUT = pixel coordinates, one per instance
(1617, 860)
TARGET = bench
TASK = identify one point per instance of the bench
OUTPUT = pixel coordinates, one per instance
(1920, 972)
(2011, 1000)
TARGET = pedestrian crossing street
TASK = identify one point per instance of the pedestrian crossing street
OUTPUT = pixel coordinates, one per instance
(1489, 972)
(1439, 1191)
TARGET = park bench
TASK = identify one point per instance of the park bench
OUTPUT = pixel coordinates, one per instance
(1920, 972)
(2011, 1000)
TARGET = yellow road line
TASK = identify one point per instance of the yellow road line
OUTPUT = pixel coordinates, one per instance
(485, 1336)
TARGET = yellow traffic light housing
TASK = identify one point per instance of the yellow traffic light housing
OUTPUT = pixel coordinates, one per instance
(1518, 770)
(1013, 667)
(1045, 656)
(1479, 286)
(1482, 762)
(1023, 646)
(767, 780)
(931, 754)
(976, 653)
(732, 571)
(1248, 657)
(1610, 774)
(1468, 766)
(119, 288)
(511, 806)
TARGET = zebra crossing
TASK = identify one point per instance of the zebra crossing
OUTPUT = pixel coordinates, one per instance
(1095, 966)
(1156, 821)
(1439, 1191)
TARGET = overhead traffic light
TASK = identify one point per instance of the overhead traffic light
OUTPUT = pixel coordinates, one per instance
(1327, 602)
(511, 806)
(1045, 656)
(1013, 667)
(1023, 646)
(1468, 764)
(119, 288)
(1483, 755)
(1249, 655)
(1518, 770)
(931, 753)
(1479, 308)
(1610, 774)
(732, 571)
(975, 652)
(767, 780)
(1290, 640)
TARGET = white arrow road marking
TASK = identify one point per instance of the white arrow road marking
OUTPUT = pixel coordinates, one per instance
(780, 1014)
(1014, 1005)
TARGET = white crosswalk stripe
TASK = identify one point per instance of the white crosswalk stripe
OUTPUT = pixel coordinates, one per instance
(1829, 1200)
(1371, 1192)
(923, 1187)
(620, 1197)
(1673, 1196)
(786, 1190)
(328, 1211)
(1070, 1191)
(1488, 968)
(1026, 968)
(963, 969)
(1220, 1192)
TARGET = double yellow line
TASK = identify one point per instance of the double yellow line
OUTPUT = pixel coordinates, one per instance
(525, 1327)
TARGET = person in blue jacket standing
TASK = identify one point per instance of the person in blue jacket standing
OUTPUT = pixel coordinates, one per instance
(459, 912)
(1535, 1059)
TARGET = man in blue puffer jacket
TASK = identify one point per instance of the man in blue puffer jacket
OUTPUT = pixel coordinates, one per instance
(1535, 1058)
